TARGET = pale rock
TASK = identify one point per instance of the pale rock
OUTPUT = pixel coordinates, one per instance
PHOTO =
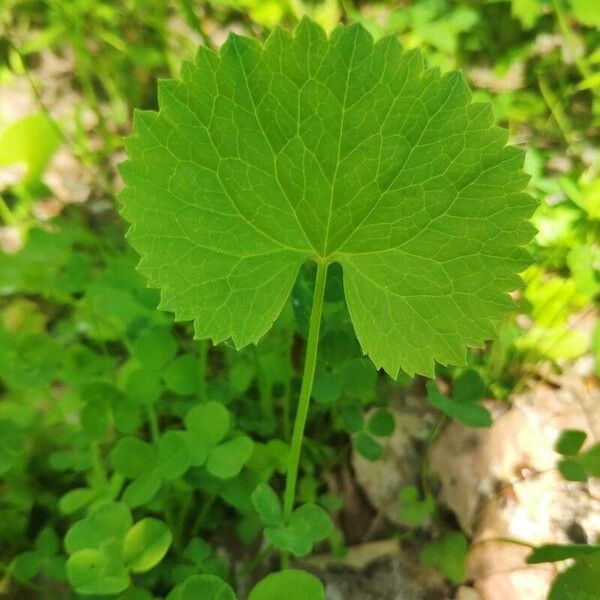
(502, 483)
(66, 177)
(11, 239)
(11, 174)
(400, 464)
(488, 79)
(377, 571)
(467, 593)
(44, 210)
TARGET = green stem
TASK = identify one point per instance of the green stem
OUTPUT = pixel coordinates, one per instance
(348, 9)
(503, 540)
(202, 369)
(195, 22)
(154, 427)
(97, 465)
(571, 39)
(287, 392)
(208, 504)
(8, 569)
(38, 96)
(286, 415)
(264, 387)
(305, 391)
(425, 464)
(184, 514)
(5, 213)
(254, 563)
(170, 518)
(559, 115)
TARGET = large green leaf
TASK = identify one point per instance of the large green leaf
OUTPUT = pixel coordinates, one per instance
(336, 150)
(587, 12)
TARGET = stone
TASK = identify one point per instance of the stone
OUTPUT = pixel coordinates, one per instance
(400, 464)
(502, 485)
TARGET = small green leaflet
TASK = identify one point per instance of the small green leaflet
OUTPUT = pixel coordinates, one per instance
(207, 587)
(570, 442)
(415, 511)
(558, 552)
(447, 554)
(335, 150)
(105, 546)
(579, 582)
(292, 584)
(308, 524)
(467, 411)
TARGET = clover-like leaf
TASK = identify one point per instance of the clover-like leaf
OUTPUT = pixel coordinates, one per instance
(579, 582)
(94, 545)
(142, 489)
(590, 460)
(267, 504)
(227, 459)
(570, 442)
(381, 423)
(154, 347)
(415, 510)
(338, 150)
(448, 555)
(208, 422)
(368, 447)
(145, 544)
(181, 375)
(76, 499)
(93, 572)
(133, 457)
(12, 442)
(468, 412)
(174, 456)
(292, 584)
(558, 552)
(571, 470)
(104, 527)
(307, 525)
(206, 587)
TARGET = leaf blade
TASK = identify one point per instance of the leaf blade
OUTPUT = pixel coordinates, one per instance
(340, 150)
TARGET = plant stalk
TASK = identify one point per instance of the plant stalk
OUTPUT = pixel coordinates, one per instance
(154, 426)
(305, 390)
(202, 369)
(6, 214)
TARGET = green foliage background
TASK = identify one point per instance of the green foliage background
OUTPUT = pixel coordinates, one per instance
(101, 391)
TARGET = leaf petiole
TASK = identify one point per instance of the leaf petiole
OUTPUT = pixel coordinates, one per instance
(202, 369)
(307, 382)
